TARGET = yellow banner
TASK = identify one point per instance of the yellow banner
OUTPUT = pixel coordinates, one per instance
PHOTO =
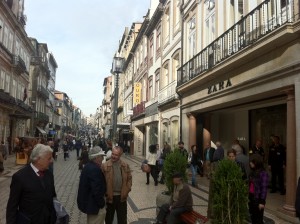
(137, 93)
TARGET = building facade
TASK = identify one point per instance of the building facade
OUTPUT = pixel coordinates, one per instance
(15, 56)
(239, 78)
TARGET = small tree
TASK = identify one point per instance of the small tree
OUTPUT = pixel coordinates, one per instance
(229, 194)
(174, 162)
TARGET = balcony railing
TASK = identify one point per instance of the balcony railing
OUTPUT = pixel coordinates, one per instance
(139, 109)
(151, 101)
(168, 93)
(43, 92)
(267, 17)
(42, 117)
(19, 64)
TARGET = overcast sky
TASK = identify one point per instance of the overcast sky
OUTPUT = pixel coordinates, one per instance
(83, 36)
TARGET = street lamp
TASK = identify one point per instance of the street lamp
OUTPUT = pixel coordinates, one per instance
(117, 68)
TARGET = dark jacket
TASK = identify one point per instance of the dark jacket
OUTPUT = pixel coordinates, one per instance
(297, 203)
(277, 156)
(185, 198)
(32, 196)
(211, 154)
(92, 189)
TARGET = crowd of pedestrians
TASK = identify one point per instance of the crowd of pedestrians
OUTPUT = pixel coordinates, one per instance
(104, 185)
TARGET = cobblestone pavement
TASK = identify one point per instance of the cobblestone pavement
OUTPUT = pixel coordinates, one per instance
(141, 203)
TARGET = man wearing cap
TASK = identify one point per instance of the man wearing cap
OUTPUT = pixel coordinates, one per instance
(119, 181)
(92, 188)
(181, 201)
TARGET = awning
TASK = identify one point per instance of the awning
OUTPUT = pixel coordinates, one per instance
(42, 131)
(123, 125)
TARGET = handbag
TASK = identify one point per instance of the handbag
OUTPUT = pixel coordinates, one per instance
(62, 217)
(146, 168)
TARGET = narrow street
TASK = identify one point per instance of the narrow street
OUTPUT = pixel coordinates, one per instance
(141, 204)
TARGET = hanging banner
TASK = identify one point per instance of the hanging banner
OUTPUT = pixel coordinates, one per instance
(137, 93)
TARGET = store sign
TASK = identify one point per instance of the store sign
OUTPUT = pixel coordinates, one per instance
(137, 93)
(219, 86)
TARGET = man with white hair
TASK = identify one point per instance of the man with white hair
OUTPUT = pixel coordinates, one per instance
(242, 158)
(92, 188)
(32, 191)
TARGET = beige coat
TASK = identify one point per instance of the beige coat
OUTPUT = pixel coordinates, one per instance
(126, 180)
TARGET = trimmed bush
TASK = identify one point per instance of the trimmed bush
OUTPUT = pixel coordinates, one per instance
(229, 194)
(175, 162)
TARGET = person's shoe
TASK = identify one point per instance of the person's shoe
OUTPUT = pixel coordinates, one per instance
(147, 183)
(156, 183)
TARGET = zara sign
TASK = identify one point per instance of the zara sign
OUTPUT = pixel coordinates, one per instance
(219, 86)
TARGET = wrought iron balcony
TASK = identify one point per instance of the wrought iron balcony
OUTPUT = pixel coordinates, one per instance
(42, 117)
(36, 60)
(43, 92)
(19, 64)
(264, 19)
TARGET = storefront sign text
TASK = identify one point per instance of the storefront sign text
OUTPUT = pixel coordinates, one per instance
(219, 86)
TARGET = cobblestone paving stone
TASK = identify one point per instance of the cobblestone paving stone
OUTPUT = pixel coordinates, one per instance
(141, 203)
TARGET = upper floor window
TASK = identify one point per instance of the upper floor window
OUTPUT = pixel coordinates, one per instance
(175, 66)
(210, 28)
(165, 75)
(166, 26)
(10, 42)
(176, 16)
(156, 83)
(5, 36)
(191, 37)
(151, 50)
(7, 83)
(150, 84)
(158, 38)
(2, 80)
(1, 30)
(14, 88)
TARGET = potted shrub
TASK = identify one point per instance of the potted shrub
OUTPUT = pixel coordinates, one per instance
(229, 194)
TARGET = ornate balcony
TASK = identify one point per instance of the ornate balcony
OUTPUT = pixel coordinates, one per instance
(19, 64)
(43, 92)
(42, 117)
(167, 94)
(251, 28)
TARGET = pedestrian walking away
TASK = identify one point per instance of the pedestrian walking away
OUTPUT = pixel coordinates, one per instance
(92, 188)
(32, 191)
(152, 158)
(118, 184)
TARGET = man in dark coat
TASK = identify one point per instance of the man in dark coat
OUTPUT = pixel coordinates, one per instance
(277, 162)
(92, 188)
(32, 191)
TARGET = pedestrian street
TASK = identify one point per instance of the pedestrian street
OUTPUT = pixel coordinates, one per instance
(141, 201)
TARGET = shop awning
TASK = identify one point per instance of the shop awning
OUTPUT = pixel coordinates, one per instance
(42, 131)
(123, 125)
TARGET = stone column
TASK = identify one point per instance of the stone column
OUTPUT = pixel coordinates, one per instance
(192, 130)
(289, 207)
(206, 131)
